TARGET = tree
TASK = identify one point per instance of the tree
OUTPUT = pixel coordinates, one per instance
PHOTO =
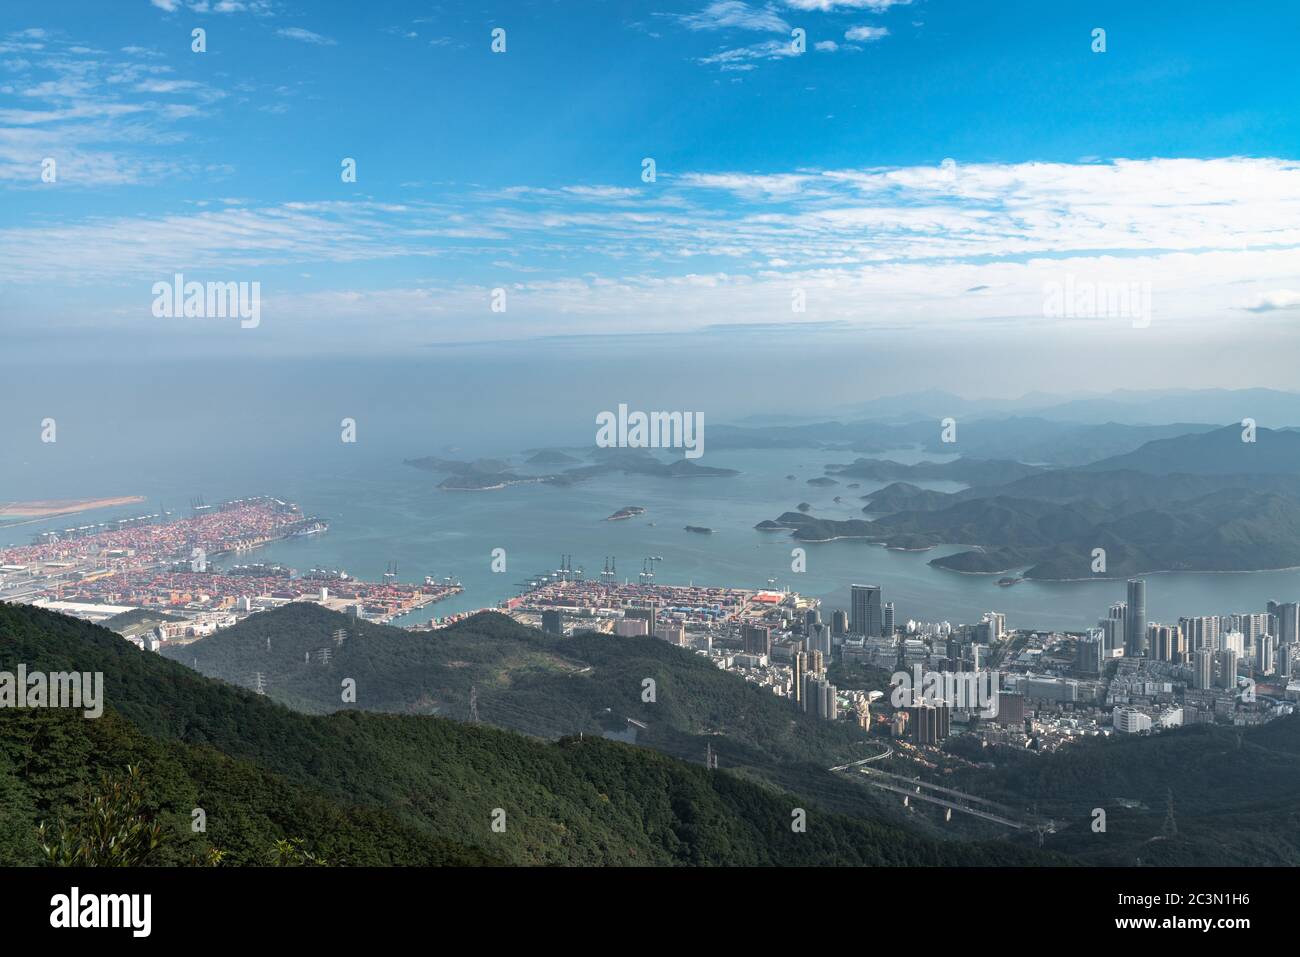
(111, 829)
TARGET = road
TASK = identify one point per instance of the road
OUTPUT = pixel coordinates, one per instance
(875, 757)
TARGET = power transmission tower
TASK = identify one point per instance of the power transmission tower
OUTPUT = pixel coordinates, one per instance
(1171, 822)
(340, 636)
(323, 656)
(473, 704)
(259, 682)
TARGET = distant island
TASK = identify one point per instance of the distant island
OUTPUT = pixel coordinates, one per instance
(488, 474)
(1203, 501)
(699, 529)
(551, 457)
(627, 511)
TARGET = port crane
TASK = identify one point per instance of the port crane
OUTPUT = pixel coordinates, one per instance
(648, 568)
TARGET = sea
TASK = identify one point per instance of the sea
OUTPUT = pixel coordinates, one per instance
(382, 512)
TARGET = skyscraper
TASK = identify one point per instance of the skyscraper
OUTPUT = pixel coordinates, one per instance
(1265, 654)
(1201, 632)
(1203, 669)
(1135, 631)
(1252, 625)
(821, 641)
(865, 614)
(1288, 621)
(1166, 643)
(839, 624)
(649, 613)
(1226, 668)
(799, 673)
(757, 639)
(1089, 653)
(1112, 628)
(930, 723)
(887, 624)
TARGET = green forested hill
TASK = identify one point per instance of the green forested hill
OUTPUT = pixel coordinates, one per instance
(541, 685)
(51, 760)
(359, 787)
(1235, 795)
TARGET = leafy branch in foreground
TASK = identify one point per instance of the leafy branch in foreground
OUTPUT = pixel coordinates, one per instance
(112, 828)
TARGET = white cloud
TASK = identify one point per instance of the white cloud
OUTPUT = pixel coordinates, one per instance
(749, 184)
(900, 245)
(733, 14)
(1274, 300)
(256, 7)
(865, 34)
(740, 58)
(305, 36)
(829, 6)
(101, 116)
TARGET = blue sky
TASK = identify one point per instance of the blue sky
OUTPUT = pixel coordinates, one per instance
(925, 165)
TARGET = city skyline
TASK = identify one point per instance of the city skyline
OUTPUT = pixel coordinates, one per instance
(738, 434)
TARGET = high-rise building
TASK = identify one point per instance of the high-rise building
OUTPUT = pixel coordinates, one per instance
(1288, 621)
(1265, 654)
(887, 621)
(552, 622)
(799, 673)
(1135, 632)
(839, 624)
(821, 641)
(631, 627)
(672, 633)
(1112, 629)
(812, 618)
(1088, 653)
(1225, 668)
(865, 614)
(757, 639)
(1252, 625)
(930, 724)
(1288, 658)
(1203, 669)
(647, 613)
(1166, 643)
(821, 699)
(1011, 708)
(1201, 632)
